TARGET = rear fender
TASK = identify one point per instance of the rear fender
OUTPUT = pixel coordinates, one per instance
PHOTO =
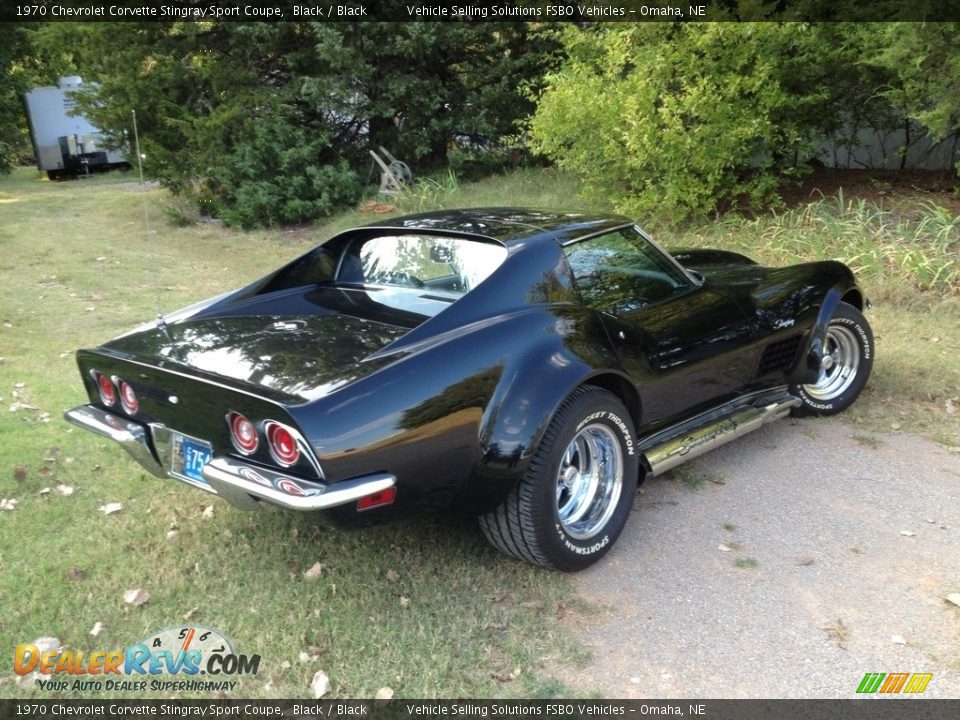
(528, 395)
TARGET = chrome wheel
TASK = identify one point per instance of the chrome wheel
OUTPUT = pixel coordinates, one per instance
(589, 481)
(838, 366)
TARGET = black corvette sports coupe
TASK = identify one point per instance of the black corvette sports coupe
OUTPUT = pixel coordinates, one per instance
(527, 367)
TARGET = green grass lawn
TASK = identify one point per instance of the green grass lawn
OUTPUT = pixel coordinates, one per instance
(423, 606)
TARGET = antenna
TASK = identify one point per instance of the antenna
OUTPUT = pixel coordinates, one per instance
(161, 322)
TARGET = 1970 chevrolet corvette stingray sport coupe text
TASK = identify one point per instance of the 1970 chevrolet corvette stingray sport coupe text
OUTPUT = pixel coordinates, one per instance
(524, 366)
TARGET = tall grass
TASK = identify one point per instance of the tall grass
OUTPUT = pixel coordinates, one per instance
(884, 247)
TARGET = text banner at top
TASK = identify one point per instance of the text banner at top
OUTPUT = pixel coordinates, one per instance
(492, 11)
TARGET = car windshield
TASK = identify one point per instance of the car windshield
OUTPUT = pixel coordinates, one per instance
(418, 273)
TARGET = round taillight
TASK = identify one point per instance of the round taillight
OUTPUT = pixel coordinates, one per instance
(108, 394)
(128, 398)
(283, 445)
(243, 433)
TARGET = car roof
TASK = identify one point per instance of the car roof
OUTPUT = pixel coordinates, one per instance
(507, 225)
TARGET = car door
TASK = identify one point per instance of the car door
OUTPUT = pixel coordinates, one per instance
(686, 346)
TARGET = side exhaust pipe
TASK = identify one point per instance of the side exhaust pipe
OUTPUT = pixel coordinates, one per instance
(699, 440)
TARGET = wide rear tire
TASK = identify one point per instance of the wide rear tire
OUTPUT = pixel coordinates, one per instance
(574, 499)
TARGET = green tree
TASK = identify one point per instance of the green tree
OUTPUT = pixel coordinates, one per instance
(18, 70)
(923, 62)
(269, 122)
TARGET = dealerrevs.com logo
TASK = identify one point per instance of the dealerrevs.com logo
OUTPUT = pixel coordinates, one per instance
(187, 651)
(894, 683)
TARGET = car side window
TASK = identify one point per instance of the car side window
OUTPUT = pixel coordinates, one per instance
(621, 271)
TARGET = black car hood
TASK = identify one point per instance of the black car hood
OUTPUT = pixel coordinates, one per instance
(306, 356)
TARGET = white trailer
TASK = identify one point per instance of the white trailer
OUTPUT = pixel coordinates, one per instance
(66, 144)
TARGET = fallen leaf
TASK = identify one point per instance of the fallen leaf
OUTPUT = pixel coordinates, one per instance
(207, 511)
(384, 693)
(315, 571)
(21, 406)
(136, 597)
(404, 601)
(44, 491)
(320, 684)
(804, 560)
(19, 385)
(190, 613)
(67, 490)
(111, 508)
(44, 472)
(393, 575)
(97, 628)
(285, 665)
(935, 339)
(723, 548)
(20, 474)
(76, 575)
(895, 426)
(907, 533)
(898, 640)
(173, 534)
(950, 407)
(8, 504)
(954, 598)
(505, 676)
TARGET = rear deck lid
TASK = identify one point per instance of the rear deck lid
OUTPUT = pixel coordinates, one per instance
(306, 356)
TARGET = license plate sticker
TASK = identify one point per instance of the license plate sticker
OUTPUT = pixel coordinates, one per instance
(189, 457)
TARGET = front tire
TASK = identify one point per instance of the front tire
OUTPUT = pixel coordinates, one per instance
(573, 500)
(845, 365)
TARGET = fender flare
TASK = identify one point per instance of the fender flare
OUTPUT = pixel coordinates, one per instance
(808, 367)
(511, 448)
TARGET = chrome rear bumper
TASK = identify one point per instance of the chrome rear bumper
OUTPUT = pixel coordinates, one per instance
(239, 483)
(131, 436)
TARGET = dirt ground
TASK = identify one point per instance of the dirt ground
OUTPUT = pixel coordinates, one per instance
(786, 564)
(886, 188)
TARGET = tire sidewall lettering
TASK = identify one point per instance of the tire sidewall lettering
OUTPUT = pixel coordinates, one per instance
(588, 549)
(866, 346)
(614, 420)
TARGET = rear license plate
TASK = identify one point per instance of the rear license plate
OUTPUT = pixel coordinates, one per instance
(189, 457)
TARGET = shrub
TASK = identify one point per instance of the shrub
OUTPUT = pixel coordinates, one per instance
(672, 121)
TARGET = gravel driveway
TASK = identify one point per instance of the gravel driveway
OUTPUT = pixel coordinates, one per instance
(786, 564)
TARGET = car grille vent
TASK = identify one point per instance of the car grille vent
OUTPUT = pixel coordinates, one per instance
(779, 356)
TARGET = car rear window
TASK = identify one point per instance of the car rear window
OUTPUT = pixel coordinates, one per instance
(448, 265)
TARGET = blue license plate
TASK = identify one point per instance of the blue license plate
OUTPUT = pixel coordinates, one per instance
(194, 456)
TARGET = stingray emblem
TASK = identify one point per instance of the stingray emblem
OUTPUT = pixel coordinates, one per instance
(286, 326)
